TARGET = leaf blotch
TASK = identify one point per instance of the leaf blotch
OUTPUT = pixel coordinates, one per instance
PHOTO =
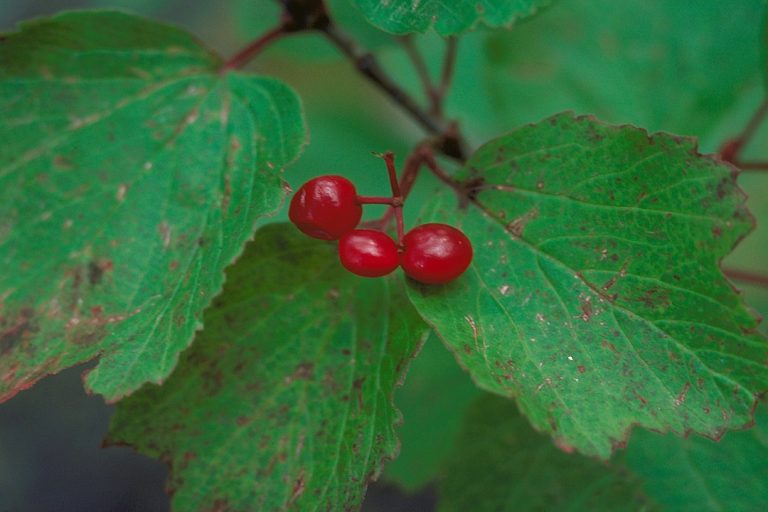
(96, 270)
(517, 225)
(15, 330)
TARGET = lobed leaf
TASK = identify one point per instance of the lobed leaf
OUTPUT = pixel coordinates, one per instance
(499, 456)
(595, 297)
(131, 174)
(446, 16)
(500, 463)
(728, 475)
(284, 402)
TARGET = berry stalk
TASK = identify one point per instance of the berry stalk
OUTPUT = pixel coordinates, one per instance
(376, 200)
(397, 196)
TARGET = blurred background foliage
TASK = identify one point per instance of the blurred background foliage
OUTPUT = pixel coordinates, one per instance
(665, 65)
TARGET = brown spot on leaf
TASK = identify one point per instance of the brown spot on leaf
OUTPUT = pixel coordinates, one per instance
(723, 188)
(122, 189)
(612, 281)
(188, 457)
(640, 397)
(585, 303)
(96, 270)
(303, 371)
(10, 374)
(564, 446)
(517, 226)
(15, 330)
(220, 505)
(654, 297)
(63, 163)
(357, 384)
(610, 346)
(298, 488)
(85, 332)
(165, 233)
(680, 400)
(473, 326)
(227, 193)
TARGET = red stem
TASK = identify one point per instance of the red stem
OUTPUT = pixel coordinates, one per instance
(397, 197)
(255, 47)
(746, 276)
(389, 158)
(422, 155)
(752, 166)
(376, 200)
(731, 149)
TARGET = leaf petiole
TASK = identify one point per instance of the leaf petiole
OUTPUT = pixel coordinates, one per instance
(731, 149)
(245, 55)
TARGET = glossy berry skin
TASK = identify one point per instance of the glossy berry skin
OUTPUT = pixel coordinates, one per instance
(368, 253)
(435, 253)
(326, 207)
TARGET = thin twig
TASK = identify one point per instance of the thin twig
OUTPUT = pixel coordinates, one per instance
(428, 158)
(420, 66)
(411, 170)
(255, 47)
(746, 276)
(366, 64)
(304, 15)
(446, 76)
(369, 67)
(435, 93)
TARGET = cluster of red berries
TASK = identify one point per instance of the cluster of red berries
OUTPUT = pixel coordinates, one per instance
(329, 208)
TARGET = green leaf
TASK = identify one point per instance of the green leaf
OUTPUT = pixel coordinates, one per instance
(501, 464)
(448, 17)
(595, 296)
(499, 456)
(433, 400)
(284, 400)
(663, 65)
(131, 174)
(695, 474)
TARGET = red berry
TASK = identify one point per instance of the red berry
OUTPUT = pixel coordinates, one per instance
(435, 253)
(368, 253)
(326, 207)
